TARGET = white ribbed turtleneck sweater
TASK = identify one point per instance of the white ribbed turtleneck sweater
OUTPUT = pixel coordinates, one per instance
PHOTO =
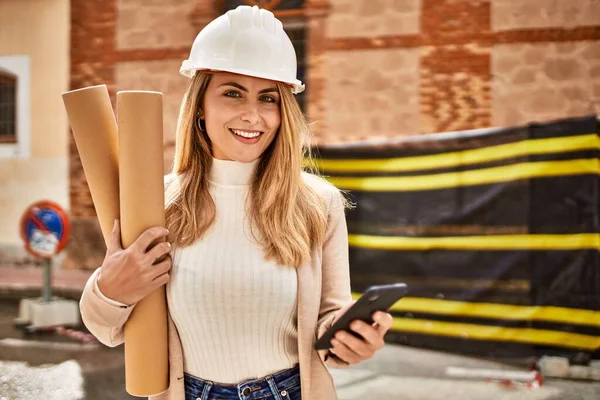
(235, 312)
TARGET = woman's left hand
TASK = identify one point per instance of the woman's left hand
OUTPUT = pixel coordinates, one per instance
(354, 350)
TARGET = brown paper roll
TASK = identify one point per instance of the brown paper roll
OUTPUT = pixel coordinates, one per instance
(95, 131)
(140, 125)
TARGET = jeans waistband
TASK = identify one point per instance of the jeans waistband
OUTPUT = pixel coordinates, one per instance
(277, 384)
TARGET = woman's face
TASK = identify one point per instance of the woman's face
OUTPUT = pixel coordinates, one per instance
(242, 115)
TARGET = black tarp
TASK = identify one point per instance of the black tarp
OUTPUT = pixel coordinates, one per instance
(496, 233)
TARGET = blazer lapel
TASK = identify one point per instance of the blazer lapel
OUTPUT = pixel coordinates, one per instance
(308, 309)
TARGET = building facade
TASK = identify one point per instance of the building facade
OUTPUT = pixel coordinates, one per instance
(373, 68)
(34, 155)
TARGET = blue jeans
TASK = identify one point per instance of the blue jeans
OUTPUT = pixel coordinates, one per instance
(282, 385)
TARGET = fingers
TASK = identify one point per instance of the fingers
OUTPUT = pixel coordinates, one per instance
(161, 268)
(158, 252)
(368, 339)
(344, 352)
(383, 322)
(359, 346)
(373, 340)
(149, 236)
(115, 238)
(162, 279)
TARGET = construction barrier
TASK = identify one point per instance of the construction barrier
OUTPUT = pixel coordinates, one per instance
(495, 231)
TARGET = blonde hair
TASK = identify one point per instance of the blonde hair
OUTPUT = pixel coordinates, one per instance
(289, 215)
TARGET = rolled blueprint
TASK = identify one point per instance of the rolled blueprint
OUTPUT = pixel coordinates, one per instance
(95, 131)
(140, 122)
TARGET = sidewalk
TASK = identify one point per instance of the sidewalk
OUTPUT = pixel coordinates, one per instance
(20, 282)
(405, 373)
(396, 372)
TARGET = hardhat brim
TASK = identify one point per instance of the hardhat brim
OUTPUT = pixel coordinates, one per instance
(297, 85)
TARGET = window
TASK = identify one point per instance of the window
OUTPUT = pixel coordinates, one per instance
(297, 33)
(294, 25)
(268, 4)
(8, 107)
(14, 107)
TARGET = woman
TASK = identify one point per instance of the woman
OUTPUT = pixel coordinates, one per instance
(260, 248)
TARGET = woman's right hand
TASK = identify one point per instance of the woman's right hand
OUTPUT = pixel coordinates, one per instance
(129, 275)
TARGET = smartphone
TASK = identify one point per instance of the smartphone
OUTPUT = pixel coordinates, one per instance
(375, 298)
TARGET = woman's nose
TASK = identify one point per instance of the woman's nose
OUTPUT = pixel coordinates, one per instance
(251, 115)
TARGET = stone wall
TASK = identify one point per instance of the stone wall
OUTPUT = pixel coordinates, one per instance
(151, 24)
(161, 76)
(372, 94)
(126, 45)
(543, 81)
(369, 18)
(376, 68)
(520, 14)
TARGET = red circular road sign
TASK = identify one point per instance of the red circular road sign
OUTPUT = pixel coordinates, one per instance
(45, 229)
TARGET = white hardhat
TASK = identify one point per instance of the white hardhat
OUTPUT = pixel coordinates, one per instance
(247, 41)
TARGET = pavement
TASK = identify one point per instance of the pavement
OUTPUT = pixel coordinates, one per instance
(405, 373)
(20, 282)
(48, 366)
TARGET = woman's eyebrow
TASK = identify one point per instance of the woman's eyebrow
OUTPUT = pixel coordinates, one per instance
(236, 85)
(243, 89)
(269, 90)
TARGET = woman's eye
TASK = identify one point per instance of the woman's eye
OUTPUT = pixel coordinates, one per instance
(268, 99)
(232, 93)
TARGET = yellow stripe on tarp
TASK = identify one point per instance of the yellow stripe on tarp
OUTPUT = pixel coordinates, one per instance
(468, 178)
(491, 242)
(496, 311)
(497, 333)
(465, 157)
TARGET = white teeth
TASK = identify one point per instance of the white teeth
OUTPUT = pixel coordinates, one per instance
(248, 135)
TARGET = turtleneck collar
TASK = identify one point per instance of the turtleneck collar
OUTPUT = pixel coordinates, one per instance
(231, 173)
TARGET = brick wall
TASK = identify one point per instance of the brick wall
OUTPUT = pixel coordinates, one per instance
(464, 51)
(455, 65)
(93, 24)
(377, 68)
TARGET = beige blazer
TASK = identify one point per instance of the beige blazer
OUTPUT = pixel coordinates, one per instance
(323, 288)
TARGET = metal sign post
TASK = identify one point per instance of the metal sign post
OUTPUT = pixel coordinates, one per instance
(45, 229)
(47, 289)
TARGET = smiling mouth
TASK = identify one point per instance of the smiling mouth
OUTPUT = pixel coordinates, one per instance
(246, 134)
